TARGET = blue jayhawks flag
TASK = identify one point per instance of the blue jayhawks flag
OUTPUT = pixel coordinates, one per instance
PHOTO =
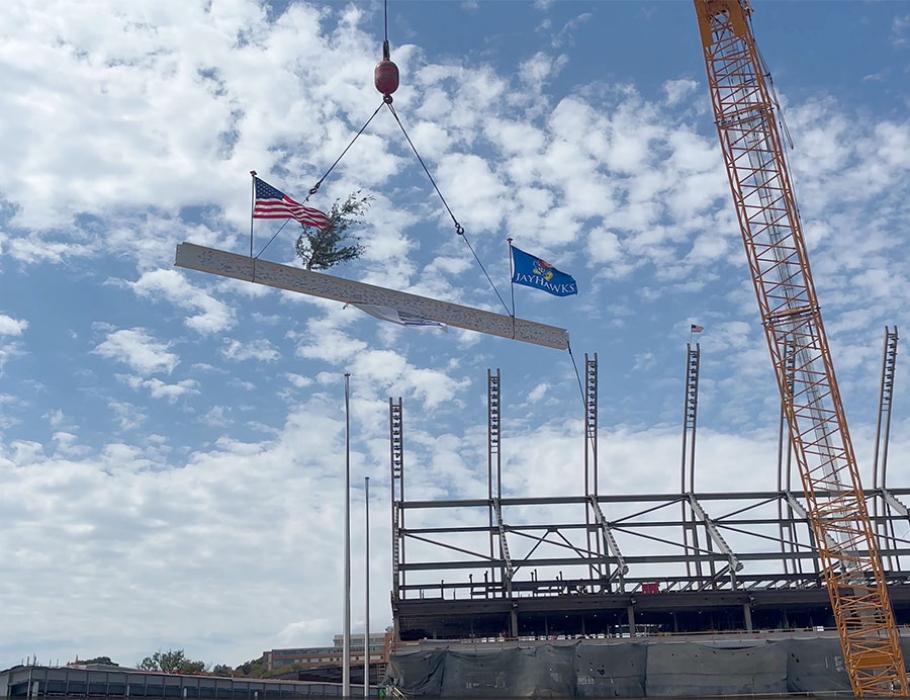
(531, 271)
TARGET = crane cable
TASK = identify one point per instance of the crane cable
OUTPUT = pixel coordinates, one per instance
(315, 188)
(459, 229)
(387, 101)
(581, 391)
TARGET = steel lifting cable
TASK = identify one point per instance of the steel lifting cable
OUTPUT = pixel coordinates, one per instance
(459, 229)
(315, 188)
(581, 390)
(387, 101)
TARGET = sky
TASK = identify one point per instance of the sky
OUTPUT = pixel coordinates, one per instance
(172, 444)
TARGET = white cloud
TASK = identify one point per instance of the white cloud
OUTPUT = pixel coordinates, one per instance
(678, 90)
(129, 502)
(136, 348)
(644, 361)
(388, 372)
(565, 36)
(604, 247)
(7, 352)
(12, 326)
(127, 415)
(474, 189)
(330, 345)
(216, 417)
(538, 392)
(109, 128)
(537, 70)
(260, 349)
(300, 382)
(55, 418)
(162, 390)
(214, 316)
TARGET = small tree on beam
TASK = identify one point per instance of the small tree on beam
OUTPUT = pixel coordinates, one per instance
(320, 249)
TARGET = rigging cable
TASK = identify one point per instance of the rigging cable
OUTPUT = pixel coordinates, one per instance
(581, 390)
(459, 229)
(386, 79)
(315, 188)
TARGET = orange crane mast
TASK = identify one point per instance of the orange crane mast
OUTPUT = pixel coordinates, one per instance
(779, 264)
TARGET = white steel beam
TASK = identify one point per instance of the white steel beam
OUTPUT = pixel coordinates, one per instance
(801, 513)
(610, 543)
(896, 504)
(242, 267)
(714, 533)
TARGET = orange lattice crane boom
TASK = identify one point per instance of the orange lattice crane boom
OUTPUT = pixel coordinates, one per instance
(776, 251)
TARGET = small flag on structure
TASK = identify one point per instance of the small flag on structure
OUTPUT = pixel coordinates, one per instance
(393, 315)
(272, 203)
(696, 328)
(532, 271)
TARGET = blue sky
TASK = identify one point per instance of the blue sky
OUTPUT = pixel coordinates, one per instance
(171, 444)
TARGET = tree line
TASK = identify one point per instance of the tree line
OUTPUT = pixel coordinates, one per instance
(176, 661)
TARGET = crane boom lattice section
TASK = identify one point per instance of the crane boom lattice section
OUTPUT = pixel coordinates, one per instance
(779, 264)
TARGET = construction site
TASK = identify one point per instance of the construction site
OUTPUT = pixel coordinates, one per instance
(802, 590)
(626, 595)
(685, 592)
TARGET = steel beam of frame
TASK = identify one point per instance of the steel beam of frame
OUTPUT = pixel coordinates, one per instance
(749, 582)
(719, 522)
(785, 461)
(883, 430)
(886, 523)
(659, 498)
(506, 568)
(617, 498)
(293, 279)
(610, 545)
(590, 462)
(801, 513)
(396, 461)
(895, 503)
(885, 402)
(494, 451)
(714, 534)
(591, 421)
(629, 558)
(690, 419)
(687, 461)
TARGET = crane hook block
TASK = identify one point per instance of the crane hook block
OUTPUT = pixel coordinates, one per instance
(385, 77)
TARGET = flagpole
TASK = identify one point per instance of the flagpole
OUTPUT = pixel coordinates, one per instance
(252, 207)
(366, 572)
(346, 631)
(512, 283)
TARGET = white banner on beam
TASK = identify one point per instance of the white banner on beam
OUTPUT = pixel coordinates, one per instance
(295, 279)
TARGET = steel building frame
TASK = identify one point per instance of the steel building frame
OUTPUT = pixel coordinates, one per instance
(539, 565)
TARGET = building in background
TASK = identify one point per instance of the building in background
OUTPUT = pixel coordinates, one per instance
(324, 663)
(34, 681)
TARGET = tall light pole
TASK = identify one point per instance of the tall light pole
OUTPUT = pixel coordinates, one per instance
(346, 631)
(366, 573)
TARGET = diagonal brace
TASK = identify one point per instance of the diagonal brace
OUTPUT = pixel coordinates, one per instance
(714, 534)
(609, 541)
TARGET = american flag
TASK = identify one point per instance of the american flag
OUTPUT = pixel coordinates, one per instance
(695, 328)
(272, 203)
